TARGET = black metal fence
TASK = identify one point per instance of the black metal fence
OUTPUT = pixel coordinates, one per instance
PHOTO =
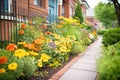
(11, 18)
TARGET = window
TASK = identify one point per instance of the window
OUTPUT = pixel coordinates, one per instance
(38, 3)
(5, 5)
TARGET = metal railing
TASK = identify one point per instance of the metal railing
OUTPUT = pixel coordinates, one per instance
(10, 22)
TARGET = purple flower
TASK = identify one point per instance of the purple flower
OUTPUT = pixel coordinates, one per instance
(52, 44)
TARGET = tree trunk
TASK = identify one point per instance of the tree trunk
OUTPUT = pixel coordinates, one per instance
(117, 8)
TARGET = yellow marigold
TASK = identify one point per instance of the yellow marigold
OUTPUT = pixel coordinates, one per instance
(33, 53)
(45, 57)
(2, 70)
(63, 49)
(12, 66)
(20, 53)
(21, 43)
(57, 36)
(40, 63)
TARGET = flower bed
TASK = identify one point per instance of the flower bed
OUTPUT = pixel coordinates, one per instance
(40, 48)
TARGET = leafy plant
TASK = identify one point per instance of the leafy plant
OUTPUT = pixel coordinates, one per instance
(111, 36)
(109, 63)
(101, 32)
(30, 66)
(10, 66)
(78, 13)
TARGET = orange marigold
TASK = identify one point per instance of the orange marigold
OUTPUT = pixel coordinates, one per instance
(21, 32)
(36, 49)
(38, 41)
(11, 47)
(29, 46)
(44, 26)
(41, 37)
(3, 59)
(59, 26)
(23, 26)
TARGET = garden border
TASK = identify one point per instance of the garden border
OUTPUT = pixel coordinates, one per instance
(58, 74)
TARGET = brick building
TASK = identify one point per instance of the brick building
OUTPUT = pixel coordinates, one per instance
(66, 8)
(15, 12)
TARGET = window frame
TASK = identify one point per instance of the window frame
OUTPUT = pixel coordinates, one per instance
(38, 3)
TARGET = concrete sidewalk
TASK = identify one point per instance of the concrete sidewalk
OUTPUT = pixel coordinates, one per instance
(85, 67)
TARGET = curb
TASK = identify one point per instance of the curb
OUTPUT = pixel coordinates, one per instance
(57, 75)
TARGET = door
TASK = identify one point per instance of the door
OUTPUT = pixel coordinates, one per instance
(51, 14)
(51, 10)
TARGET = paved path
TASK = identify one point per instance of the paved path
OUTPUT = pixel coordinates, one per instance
(85, 67)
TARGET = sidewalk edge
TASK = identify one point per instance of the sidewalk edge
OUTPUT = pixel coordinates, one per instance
(57, 75)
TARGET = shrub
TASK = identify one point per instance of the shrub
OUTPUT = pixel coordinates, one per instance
(101, 32)
(109, 63)
(78, 13)
(29, 66)
(111, 36)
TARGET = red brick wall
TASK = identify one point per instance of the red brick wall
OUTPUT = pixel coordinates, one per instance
(67, 6)
(35, 10)
(6, 30)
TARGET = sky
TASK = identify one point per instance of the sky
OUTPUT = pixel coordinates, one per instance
(93, 3)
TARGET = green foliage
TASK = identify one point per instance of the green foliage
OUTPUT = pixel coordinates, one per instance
(109, 63)
(111, 36)
(77, 49)
(101, 32)
(78, 13)
(37, 21)
(103, 13)
(29, 66)
(30, 34)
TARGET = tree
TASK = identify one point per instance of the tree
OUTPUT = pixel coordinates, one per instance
(78, 13)
(105, 13)
(117, 8)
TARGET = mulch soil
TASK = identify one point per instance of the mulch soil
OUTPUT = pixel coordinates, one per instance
(51, 71)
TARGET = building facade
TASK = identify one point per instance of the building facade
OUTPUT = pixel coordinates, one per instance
(84, 6)
(15, 12)
(66, 8)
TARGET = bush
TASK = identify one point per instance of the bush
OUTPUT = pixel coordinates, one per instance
(109, 63)
(101, 32)
(111, 36)
(29, 66)
(78, 13)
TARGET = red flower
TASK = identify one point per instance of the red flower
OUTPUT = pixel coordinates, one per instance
(11, 47)
(3, 59)
(23, 26)
(48, 32)
(21, 32)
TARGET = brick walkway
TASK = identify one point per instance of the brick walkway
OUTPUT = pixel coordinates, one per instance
(82, 67)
